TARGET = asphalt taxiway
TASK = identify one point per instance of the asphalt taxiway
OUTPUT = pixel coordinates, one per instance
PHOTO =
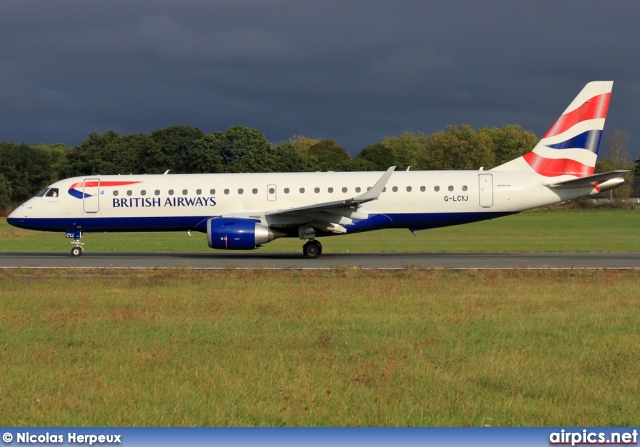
(255, 260)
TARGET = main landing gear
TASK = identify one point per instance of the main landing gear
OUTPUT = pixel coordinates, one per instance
(312, 249)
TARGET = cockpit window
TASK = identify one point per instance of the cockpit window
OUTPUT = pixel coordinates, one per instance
(42, 193)
(53, 192)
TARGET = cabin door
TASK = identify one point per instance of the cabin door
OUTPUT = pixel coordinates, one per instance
(486, 190)
(91, 195)
(272, 192)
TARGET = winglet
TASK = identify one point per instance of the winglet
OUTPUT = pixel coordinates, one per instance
(375, 192)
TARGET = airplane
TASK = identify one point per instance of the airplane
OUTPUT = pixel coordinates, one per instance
(246, 211)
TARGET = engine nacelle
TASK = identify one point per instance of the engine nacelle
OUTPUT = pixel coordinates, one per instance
(238, 234)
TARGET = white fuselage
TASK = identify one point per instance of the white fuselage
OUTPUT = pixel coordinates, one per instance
(414, 199)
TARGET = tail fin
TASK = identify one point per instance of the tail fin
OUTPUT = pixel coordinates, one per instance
(570, 147)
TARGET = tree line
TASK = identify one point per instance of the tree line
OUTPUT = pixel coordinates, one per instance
(24, 169)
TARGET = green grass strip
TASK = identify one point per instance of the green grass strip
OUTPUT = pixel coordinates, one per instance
(319, 348)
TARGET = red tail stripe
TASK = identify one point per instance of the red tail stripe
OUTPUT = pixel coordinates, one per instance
(594, 108)
(97, 183)
(553, 167)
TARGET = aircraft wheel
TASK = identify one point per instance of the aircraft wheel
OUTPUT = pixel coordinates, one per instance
(76, 251)
(312, 249)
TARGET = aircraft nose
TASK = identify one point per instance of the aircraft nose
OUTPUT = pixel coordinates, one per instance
(11, 218)
(16, 216)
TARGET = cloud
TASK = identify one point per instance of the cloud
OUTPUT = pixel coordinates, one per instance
(352, 71)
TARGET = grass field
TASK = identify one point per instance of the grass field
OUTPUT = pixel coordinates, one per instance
(532, 231)
(330, 348)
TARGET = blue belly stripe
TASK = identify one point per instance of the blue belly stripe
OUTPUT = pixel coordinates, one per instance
(413, 221)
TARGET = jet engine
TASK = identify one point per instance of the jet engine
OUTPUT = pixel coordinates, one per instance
(238, 234)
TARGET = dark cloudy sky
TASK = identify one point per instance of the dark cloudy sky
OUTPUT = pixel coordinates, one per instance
(353, 71)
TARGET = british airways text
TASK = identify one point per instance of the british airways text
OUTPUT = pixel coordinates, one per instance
(147, 202)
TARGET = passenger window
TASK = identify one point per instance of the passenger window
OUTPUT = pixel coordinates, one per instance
(241, 191)
(286, 190)
(395, 189)
(464, 187)
(171, 192)
(344, 189)
(273, 190)
(358, 189)
(409, 188)
(301, 190)
(436, 188)
(129, 192)
(316, 190)
(53, 192)
(384, 189)
(198, 191)
(226, 191)
(157, 192)
(255, 190)
(212, 192)
(330, 190)
(115, 193)
(423, 189)
(143, 192)
(369, 188)
(185, 192)
(450, 188)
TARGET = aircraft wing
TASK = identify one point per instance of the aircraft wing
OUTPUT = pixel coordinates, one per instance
(584, 182)
(353, 202)
(327, 216)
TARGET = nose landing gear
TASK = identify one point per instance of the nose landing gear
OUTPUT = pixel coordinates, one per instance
(312, 249)
(77, 250)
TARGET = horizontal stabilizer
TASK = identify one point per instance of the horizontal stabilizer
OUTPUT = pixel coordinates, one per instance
(585, 182)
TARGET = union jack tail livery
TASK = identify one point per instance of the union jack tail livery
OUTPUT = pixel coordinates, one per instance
(570, 147)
